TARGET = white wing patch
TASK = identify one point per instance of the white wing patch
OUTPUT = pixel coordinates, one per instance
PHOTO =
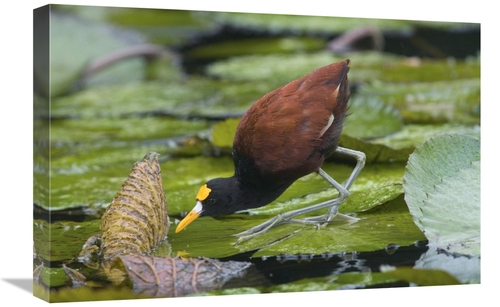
(330, 121)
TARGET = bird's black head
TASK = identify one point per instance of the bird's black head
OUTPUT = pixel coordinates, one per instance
(220, 196)
(217, 197)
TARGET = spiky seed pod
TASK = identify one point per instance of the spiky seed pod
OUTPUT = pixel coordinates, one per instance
(136, 221)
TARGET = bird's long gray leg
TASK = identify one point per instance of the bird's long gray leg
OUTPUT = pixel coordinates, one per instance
(333, 205)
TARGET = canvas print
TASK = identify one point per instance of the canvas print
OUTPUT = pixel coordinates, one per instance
(185, 153)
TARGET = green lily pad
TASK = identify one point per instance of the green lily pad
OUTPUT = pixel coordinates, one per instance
(374, 186)
(51, 276)
(351, 280)
(161, 26)
(70, 53)
(223, 132)
(442, 189)
(256, 46)
(60, 241)
(430, 102)
(195, 98)
(398, 146)
(115, 130)
(89, 174)
(371, 118)
(381, 70)
(83, 294)
(387, 224)
(276, 68)
(411, 136)
(465, 268)
(379, 186)
(391, 224)
(421, 277)
(129, 99)
(318, 24)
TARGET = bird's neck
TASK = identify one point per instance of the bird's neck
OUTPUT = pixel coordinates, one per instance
(258, 195)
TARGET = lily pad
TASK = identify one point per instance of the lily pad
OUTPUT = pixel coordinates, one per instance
(223, 132)
(83, 294)
(442, 188)
(61, 241)
(276, 23)
(89, 174)
(71, 53)
(351, 280)
(161, 26)
(49, 276)
(430, 102)
(276, 68)
(113, 130)
(371, 118)
(465, 268)
(398, 146)
(193, 98)
(366, 67)
(387, 224)
(421, 277)
(377, 186)
(255, 46)
(376, 69)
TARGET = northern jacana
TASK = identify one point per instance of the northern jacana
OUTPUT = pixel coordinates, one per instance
(284, 136)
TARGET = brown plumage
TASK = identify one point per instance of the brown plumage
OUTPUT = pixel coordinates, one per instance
(283, 132)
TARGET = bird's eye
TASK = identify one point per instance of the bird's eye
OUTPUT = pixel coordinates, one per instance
(211, 201)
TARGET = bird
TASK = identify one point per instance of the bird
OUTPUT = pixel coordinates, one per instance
(283, 136)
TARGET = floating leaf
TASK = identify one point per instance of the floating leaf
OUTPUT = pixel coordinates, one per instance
(377, 186)
(70, 53)
(223, 132)
(194, 98)
(52, 277)
(442, 189)
(371, 118)
(377, 228)
(350, 280)
(381, 74)
(112, 131)
(412, 136)
(398, 146)
(376, 153)
(368, 191)
(465, 268)
(430, 102)
(172, 277)
(277, 69)
(62, 240)
(262, 45)
(421, 277)
(136, 221)
(82, 294)
(308, 24)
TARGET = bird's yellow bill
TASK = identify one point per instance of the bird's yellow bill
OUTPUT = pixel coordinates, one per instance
(193, 215)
